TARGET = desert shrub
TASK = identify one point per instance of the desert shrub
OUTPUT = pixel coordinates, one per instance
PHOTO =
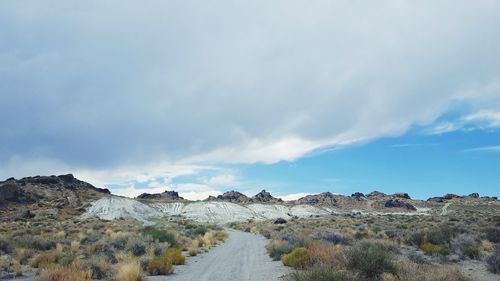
(493, 261)
(323, 254)
(297, 258)
(194, 231)
(486, 246)
(193, 248)
(23, 255)
(438, 236)
(119, 243)
(433, 249)
(98, 267)
(75, 246)
(319, 274)
(208, 240)
(467, 245)
(492, 234)
(45, 259)
(334, 239)
(33, 242)
(160, 235)
(130, 271)
(5, 246)
(278, 248)
(65, 273)
(409, 271)
(221, 235)
(137, 248)
(160, 265)
(175, 256)
(369, 260)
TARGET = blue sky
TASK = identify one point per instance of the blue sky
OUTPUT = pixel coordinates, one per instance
(204, 97)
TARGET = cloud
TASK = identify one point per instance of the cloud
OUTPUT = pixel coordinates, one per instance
(294, 196)
(480, 120)
(494, 148)
(115, 89)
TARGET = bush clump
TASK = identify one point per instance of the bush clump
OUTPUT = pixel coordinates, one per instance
(298, 258)
(493, 261)
(61, 273)
(320, 274)
(433, 249)
(160, 235)
(278, 248)
(369, 260)
(160, 265)
(130, 271)
(175, 256)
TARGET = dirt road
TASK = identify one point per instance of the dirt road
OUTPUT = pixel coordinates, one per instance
(241, 258)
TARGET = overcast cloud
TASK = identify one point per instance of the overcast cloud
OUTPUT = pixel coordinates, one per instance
(108, 85)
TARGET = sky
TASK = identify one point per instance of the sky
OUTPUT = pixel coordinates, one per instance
(295, 97)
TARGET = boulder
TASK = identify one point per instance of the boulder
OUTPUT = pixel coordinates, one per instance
(280, 221)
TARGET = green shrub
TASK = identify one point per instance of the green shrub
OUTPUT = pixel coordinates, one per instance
(319, 274)
(369, 260)
(433, 249)
(297, 258)
(473, 253)
(160, 265)
(175, 256)
(160, 235)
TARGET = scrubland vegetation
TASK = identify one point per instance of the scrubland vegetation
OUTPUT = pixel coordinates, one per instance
(388, 248)
(98, 250)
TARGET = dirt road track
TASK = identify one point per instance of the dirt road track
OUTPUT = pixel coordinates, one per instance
(241, 258)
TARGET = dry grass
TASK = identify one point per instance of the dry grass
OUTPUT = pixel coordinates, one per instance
(193, 247)
(323, 254)
(130, 271)
(65, 273)
(75, 246)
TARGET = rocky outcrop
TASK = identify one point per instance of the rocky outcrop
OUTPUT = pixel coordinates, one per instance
(395, 203)
(358, 196)
(450, 196)
(325, 198)
(474, 195)
(164, 196)
(376, 194)
(234, 196)
(265, 196)
(402, 195)
(54, 191)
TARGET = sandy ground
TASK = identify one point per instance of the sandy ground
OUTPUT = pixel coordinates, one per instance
(242, 257)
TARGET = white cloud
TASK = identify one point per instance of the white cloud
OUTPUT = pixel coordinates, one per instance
(487, 118)
(494, 148)
(294, 196)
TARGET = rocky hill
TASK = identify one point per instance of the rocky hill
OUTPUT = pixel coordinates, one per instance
(164, 196)
(46, 195)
